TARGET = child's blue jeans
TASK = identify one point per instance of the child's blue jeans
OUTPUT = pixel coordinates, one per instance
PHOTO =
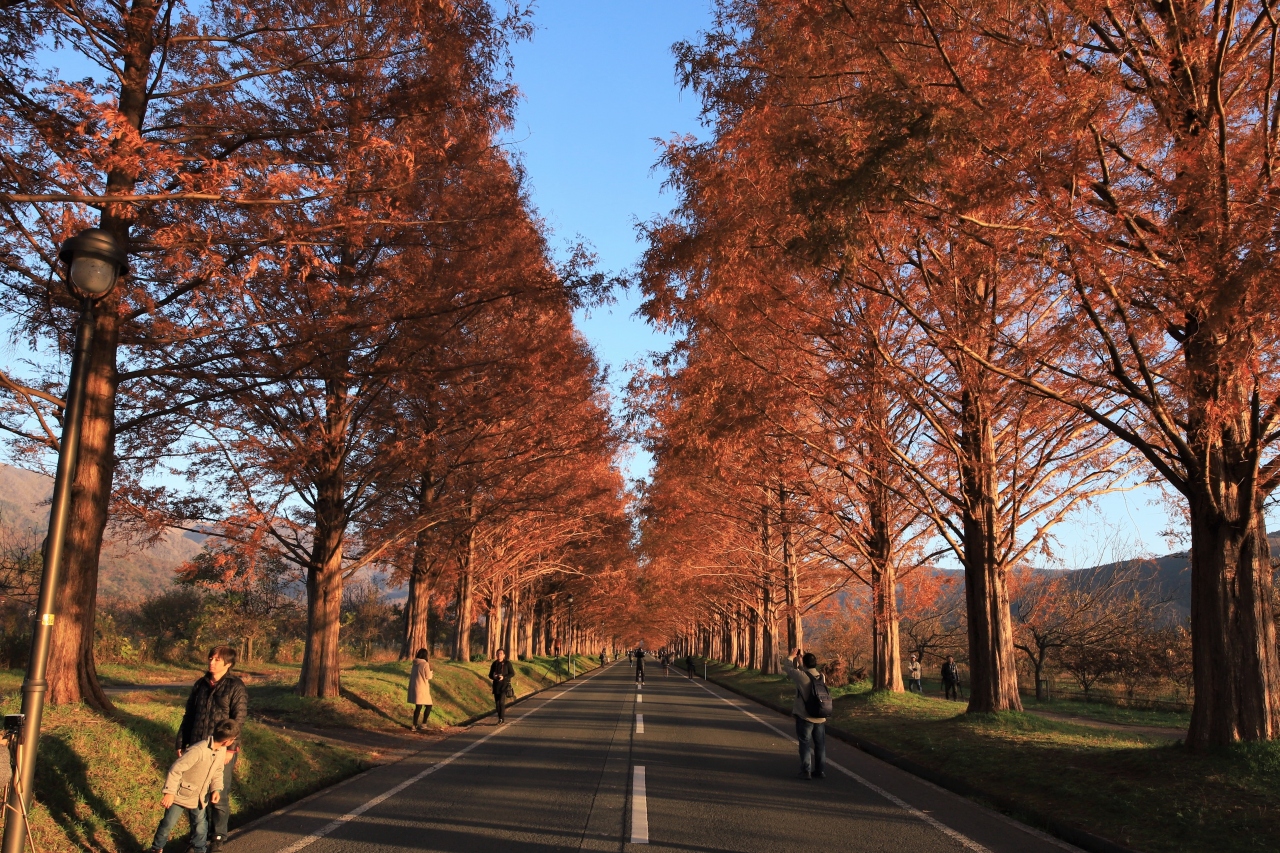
(199, 827)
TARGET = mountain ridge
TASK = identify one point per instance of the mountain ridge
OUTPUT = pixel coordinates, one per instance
(126, 571)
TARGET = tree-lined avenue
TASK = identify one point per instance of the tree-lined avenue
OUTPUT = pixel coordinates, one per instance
(718, 775)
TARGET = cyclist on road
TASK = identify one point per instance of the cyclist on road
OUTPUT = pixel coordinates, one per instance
(640, 666)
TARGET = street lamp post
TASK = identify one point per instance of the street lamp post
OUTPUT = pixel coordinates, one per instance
(95, 260)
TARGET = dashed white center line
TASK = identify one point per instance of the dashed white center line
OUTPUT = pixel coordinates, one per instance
(639, 724)
(639, 697)
(639, 807)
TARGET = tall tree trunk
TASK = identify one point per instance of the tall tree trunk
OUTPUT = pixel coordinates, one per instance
(887, 667)
(321, 664)
(769, 628)
(539, 628)
(466, 590)
(72, 672)
(526, 632)
(992, 667)
(462, 634)
(790, 575)
(511, 625)
(492, 625)
(1236, 675)
(753, 632)
(418, 604)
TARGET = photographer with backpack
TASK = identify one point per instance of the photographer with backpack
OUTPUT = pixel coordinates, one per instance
(811, 709)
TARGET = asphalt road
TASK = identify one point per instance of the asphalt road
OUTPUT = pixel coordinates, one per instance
(599, 765)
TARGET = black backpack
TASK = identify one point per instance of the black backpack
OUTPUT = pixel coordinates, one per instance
(819, 702)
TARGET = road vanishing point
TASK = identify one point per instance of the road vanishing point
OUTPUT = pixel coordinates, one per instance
(600, 764)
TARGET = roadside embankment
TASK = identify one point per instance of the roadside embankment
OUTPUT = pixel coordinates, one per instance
(98, 779)
(1139, 790)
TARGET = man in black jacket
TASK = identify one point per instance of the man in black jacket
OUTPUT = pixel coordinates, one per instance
(217, 696)
(950, 678)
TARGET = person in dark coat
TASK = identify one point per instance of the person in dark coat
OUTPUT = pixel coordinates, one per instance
(217, 696)
(950, 678)
(501, 673)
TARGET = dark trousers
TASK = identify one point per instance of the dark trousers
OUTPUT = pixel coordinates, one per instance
(949, 690)
(500, 703)
(417, 712)
(220, 815)
(640, 672)
(813, 745)
(199, 827)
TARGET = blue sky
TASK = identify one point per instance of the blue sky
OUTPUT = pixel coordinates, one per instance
(598, 79)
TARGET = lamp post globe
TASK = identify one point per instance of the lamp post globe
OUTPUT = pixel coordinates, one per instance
(95, 261)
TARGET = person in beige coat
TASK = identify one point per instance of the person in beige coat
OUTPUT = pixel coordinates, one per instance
(420, 689)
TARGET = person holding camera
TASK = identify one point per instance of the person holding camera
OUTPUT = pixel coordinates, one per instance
(502, 675)
(811, 729)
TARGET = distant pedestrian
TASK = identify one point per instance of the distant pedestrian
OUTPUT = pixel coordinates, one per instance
(640, 666)
(950, 678)
(688, 662)
(420, 689)
(217, 696)
(604, 656)
(194, 783)
(913, 675)
(629, 656)
(502, 674)
(811, 731)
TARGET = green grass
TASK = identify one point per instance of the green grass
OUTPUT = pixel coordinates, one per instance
(1114, 713)
(98, 780)
(117, 674)
(374, 695)
(1143, 792)
(1104, 712)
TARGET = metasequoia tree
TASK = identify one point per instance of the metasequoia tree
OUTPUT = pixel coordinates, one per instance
(1128, 154)
(167, 148)
(344, 302)
(853, 199)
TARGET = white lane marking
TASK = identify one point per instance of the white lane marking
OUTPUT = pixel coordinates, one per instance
(308, 840)
(639, 724)
(639, 807)
(640, 697)
(964, 840)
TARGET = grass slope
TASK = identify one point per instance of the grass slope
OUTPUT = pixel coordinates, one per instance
(98, 780)
(374, 695)
(1142, 792)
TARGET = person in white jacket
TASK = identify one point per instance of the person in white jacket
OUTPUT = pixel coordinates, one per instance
(194, 781)
(420, 689)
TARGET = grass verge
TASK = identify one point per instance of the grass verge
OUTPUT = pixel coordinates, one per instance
(374, 695)
(98, 779)
(1142, 792)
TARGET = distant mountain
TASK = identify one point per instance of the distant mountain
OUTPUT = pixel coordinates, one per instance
(1169, 576)
(125, 571)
